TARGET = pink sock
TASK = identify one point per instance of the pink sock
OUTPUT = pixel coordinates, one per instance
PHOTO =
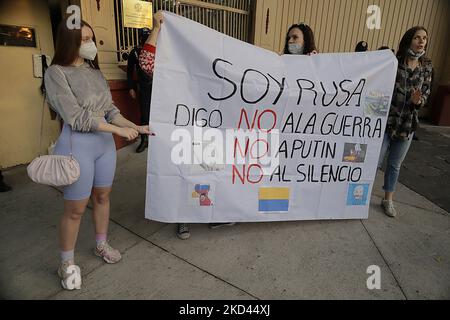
(100, 238)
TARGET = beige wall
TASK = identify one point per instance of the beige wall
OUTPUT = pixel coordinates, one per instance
(21, 105)
(339, 24)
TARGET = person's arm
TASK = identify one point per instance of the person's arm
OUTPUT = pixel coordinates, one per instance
(113, 117)
(425, 89)
(147, 59)
(158, 20)
(121, 122)
(126, 132)
(148, 52)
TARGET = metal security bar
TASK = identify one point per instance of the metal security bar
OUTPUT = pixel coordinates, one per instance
(231, 17)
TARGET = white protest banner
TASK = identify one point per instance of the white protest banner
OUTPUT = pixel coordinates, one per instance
(243, 134)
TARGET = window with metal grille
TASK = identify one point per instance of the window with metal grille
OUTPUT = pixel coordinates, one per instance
(231, 17)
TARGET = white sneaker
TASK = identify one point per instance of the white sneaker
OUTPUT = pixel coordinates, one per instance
(108, 253)
(70, 275)
(389, 209)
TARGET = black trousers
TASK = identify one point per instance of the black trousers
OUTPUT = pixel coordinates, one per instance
(145, 96)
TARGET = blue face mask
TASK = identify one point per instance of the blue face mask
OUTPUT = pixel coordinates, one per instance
(415, 55)
(295, 48)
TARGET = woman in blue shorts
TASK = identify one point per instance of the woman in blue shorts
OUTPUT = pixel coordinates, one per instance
(80, 95)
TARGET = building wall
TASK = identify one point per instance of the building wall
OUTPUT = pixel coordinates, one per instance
(339, 25)
(21, 106)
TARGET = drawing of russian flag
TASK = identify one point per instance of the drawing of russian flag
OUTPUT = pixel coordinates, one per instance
(202, 188)
(273, 199)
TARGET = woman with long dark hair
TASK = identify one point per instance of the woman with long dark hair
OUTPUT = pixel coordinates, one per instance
(78, 92)
(300, 40)
(411, 92)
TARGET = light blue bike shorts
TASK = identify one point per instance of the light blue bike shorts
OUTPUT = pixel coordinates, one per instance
(96, 155)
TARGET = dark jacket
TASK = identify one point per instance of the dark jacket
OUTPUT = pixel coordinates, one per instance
(133, 66)
(403, 114)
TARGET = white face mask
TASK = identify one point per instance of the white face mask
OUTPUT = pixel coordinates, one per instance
(295, 48)
(88, 50)
(415, 55)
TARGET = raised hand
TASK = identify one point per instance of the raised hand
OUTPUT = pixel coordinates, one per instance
(416, 96)
(158, 19)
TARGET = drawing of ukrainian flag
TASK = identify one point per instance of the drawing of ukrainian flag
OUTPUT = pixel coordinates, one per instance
(273, 199)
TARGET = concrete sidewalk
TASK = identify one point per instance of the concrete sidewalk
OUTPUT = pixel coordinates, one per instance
(284, 260)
